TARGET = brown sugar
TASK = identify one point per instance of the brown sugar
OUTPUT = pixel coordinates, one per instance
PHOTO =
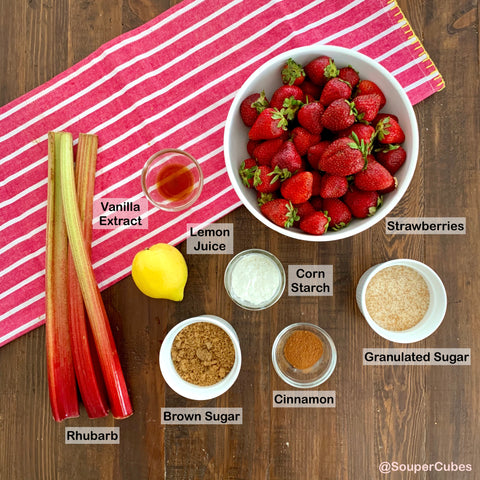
(303, 349)
(203, 353)
(397, 297)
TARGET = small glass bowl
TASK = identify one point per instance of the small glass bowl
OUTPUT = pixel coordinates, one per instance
(174, 170)
(316, 374)
(253, 281)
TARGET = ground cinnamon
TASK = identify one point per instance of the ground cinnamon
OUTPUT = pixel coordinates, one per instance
(303, 349)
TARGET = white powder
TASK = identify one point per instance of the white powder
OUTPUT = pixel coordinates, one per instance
(255, 280)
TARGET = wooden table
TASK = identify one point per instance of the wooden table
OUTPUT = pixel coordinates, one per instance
(407, 414)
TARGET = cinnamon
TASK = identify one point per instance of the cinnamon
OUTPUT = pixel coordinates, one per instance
(303, 349)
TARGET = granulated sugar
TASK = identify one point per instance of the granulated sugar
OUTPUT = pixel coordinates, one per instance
(397, 298)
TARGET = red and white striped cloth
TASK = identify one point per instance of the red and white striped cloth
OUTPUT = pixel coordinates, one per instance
(169, 83)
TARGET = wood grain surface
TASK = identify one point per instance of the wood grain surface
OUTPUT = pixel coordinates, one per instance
(411, 415)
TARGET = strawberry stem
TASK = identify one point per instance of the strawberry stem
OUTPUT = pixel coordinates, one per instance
(280, 116)
(292, 71)
(261, 103)
(292, 215)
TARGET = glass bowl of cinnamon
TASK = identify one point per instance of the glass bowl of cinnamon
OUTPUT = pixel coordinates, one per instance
(304, 355)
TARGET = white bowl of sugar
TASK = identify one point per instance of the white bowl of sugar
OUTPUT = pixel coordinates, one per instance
(403, 300)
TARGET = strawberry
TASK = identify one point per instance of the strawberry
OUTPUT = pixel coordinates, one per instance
(334, 89)
(309, 117)
(298, 188)
(247, 171)
(390, 188)
(263, 197)
(312, 92)
(264, 181)
(350, 75)
(367, 106)
(365, 87)
(310, 148)
(281, 212)
(321, 69)
(265, 151)
(315, 152)
(374, 177)
(304, 209)
(304, 167)
(333, 186)
(271, 123)
(317, 178)
(338, 115)
(316, 202)
(284, 92)
(252, 106)
(380, 116)
(362, 132)
(316, 223)
(251, 145)
(362, 204)
(339, 213)
(303, 139)
(392, 157)
(293, 73)
(287, 157)
(389, 131)
(342, 157)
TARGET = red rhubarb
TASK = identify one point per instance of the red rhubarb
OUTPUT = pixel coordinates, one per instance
(85, 359)
(60, 371)
(104, 342)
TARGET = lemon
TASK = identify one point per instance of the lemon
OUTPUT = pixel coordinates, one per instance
(160, 272)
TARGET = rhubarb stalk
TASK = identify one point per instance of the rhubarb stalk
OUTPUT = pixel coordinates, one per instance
(85, 359)
(60, 371)
(104, 342)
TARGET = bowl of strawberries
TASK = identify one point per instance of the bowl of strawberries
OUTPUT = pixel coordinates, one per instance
(321, 143)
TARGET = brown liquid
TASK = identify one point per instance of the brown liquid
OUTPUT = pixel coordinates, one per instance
(175, 182)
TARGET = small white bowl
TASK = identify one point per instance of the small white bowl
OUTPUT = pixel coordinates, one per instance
(187, 389)
(432, 318)
(268, 78)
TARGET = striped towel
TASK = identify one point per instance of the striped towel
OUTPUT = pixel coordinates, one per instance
(169, 83)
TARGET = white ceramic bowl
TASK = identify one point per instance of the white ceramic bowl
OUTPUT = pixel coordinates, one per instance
(187, 389)
(268, 78)
(432, 318)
